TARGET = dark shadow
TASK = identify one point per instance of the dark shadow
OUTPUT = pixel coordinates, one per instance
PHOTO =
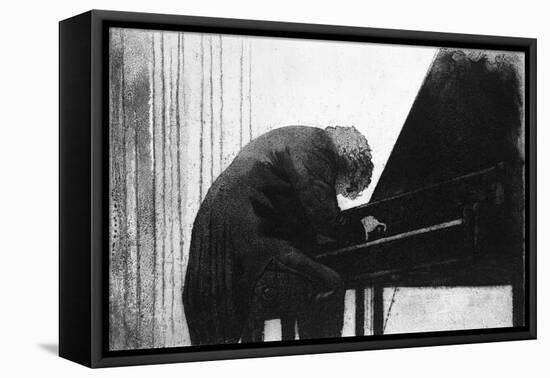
(51, 348)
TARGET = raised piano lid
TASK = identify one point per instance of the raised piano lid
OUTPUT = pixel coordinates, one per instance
(465, 124)
(466, 117)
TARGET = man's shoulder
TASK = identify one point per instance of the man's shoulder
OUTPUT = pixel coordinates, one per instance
(299, 135)
(299, 129)
(294, 140)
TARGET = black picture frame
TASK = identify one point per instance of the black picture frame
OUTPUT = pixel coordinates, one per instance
(83, 180)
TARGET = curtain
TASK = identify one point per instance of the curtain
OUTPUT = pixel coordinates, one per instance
(180, 110)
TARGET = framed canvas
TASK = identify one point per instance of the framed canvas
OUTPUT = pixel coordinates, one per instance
(236, 188)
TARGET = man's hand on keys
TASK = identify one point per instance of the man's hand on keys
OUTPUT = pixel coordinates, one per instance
(371, 224)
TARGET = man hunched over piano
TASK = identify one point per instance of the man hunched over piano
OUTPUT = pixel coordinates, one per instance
(264, 214)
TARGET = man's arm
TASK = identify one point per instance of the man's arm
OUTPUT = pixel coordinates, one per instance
(313, 175)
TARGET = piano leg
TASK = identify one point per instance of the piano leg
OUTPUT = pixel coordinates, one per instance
(378, 310)
(360, 311)
(287, 328)
(518, 300)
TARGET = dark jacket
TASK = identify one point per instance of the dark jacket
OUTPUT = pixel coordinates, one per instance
(277, 194)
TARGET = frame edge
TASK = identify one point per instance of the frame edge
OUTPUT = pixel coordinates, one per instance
(74, 189)
(99, 18)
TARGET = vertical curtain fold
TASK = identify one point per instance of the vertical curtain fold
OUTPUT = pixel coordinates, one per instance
(180, 109)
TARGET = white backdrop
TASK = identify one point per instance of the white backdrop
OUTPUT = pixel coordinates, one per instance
(29, 194)
(191, 101)
(322, 83)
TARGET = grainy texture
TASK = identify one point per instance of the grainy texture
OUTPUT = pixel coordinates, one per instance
(169, 94)
(182, 107)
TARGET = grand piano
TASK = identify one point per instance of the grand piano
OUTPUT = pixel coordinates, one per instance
(451, 195)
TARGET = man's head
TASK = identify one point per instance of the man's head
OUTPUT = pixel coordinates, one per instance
(355, 160)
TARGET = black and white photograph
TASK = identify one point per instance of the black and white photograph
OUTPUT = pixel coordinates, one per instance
(266, 189)
(280, 189)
